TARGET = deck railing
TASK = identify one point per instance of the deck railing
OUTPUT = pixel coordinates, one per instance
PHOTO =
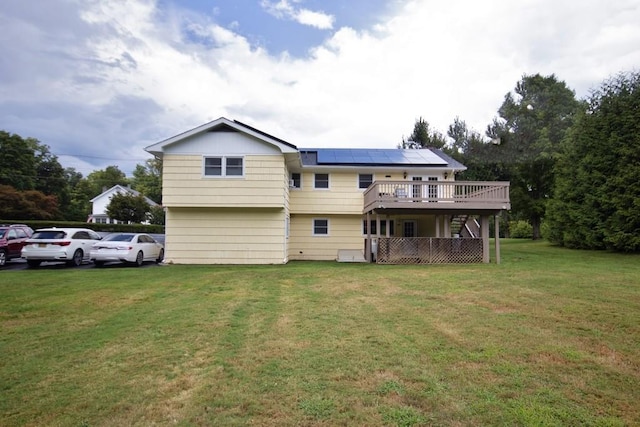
(481, 194)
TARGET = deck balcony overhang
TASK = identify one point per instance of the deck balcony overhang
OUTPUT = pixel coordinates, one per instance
(437, 197)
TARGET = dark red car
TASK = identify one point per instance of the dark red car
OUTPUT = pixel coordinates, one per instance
(12, 239)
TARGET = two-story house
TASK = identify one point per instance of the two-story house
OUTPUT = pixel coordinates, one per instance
(236, 195)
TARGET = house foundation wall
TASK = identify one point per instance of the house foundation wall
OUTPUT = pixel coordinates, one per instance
(344, 233)
(225, 236)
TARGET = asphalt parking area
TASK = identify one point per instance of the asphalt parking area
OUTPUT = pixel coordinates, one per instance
(21, 264)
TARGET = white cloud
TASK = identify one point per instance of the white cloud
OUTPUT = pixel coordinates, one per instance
(131, 75)
(283, 9)
(314, 19)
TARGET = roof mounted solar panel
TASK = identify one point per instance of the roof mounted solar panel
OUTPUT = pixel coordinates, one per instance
(363, 156)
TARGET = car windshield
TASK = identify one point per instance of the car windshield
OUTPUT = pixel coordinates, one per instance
(49, 234)
(119, 237)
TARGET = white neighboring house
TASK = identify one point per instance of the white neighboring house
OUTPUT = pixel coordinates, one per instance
(102, 200)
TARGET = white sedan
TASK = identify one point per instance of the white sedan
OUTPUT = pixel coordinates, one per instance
(127, 247)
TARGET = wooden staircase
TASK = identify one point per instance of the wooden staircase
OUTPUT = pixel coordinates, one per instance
(465, 226)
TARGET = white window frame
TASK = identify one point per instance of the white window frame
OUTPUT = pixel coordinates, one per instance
(223, 166)
(226, 166)
(383, 225)
(373, 178)
(328, 181)
(313, 227)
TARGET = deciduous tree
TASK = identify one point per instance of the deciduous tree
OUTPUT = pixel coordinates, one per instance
(157, 215)
(128, 208)
(17, 162)
(147, 179)
(25, 205)
(101, 180)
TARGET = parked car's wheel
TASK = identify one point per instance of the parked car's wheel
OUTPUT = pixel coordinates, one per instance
(3, 257)
(32, 263)
(77, 258)
(98, 263)
(139, 259)
(160, 256)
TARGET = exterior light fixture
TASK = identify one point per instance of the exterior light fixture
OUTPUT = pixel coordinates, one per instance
(404, 174)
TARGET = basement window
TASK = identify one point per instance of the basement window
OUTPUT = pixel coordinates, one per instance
(321, 227)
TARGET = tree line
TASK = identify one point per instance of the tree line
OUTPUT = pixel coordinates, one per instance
(35, 186)
(573, 164)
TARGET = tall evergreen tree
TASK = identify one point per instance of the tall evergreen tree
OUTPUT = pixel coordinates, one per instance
(596, 201)
(533, 120)
(469, 148)
(423, 137)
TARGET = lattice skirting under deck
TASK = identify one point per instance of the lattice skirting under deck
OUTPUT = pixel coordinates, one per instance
(428, 250)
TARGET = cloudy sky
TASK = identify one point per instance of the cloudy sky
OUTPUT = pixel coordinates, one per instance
(99, 80)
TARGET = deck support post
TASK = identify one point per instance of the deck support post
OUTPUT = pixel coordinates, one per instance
(484, 232)
(387, 225)
(375, 254)
(438, 217)
(447, 226)
(367, 246)
(497, 237)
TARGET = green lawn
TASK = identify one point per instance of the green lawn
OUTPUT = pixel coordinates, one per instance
(549, 337)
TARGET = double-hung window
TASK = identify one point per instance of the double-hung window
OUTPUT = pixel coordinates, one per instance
(365, 180)
(223, 166)
(320, 227)
(321, 180)
(234, 166)
(296, 180)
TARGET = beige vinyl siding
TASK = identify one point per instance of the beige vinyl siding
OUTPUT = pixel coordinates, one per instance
(342, 197)
(287, 193)
(344, 233)
(261, 186)
(225, 236)
(426, 224)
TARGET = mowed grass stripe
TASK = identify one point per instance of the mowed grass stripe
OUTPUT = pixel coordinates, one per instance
(549, 337)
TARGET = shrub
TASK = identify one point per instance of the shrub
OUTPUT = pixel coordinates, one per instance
(131, 228)
(520, 230)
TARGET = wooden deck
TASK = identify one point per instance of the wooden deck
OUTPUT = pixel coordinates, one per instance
(438, 196)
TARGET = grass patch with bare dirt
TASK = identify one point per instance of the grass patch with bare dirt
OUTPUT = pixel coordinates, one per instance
(549, 337)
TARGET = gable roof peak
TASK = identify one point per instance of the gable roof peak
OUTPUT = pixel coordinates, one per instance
(223, 124)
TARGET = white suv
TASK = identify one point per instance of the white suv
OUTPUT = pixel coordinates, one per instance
(70, 245)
